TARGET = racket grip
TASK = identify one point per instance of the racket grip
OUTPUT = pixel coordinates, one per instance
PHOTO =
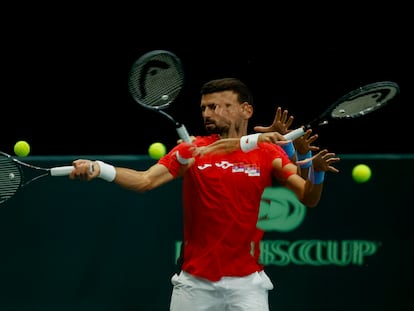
(183, 133)
(294, 134)
(61, 170)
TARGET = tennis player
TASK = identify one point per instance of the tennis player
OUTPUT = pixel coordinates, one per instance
(222, 190)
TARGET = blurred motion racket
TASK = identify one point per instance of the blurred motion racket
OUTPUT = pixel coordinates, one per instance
(354, 104)
(15, 174)
(155, 80)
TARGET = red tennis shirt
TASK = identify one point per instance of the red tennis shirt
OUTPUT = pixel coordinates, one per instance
(221, 201)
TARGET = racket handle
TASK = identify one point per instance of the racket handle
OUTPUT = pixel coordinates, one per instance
(61, 170)
(294, 134)
(183, 133)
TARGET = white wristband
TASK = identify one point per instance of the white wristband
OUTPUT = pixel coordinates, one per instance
(182, 160)
(107, 171)
(249, 142)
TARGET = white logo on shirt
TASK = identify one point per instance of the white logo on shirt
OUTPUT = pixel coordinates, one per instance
(249, 169)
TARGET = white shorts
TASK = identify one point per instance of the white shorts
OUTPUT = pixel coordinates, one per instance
(230, 293)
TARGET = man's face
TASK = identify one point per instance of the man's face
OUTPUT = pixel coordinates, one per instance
(221, 112)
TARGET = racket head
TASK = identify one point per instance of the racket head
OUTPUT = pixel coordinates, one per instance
(11, 177)
(364, 100)
(156, 79)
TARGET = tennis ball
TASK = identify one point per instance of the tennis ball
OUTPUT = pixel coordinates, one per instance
(157, 150)
(22, 148)
(361, 173)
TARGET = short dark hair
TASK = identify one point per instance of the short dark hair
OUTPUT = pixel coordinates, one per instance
(228, 84)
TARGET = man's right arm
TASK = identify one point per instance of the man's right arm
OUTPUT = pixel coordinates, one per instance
(140, 181)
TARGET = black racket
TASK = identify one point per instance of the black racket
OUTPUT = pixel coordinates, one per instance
(155, 81)
(15, 174)
(354, 104)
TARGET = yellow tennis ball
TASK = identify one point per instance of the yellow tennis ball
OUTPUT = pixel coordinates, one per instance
(22, 148)
(157, 150)
(361, 173)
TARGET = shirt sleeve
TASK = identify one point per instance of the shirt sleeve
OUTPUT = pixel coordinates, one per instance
(276, 151)
(170, 160)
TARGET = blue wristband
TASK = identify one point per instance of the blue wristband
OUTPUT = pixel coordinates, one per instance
(318, 177)
(305, 156)
(289, 149)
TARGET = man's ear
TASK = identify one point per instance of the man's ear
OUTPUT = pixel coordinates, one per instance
(247, 110)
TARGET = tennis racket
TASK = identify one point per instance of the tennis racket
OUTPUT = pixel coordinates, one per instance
(15, 174)
(354, 104)
(155, 80)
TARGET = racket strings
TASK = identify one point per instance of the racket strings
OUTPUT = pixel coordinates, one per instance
(10, 178)
(156, 81)
(365, 100)
(356, 107)
(161, 92)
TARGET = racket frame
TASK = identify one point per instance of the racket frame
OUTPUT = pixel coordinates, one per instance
(165, 100)
(334, 112)
(24, 180)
